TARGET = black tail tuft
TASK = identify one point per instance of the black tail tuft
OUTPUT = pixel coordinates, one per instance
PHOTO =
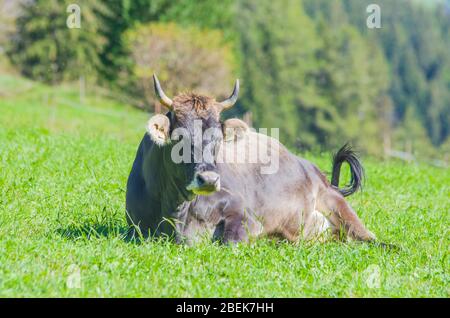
(346, 154)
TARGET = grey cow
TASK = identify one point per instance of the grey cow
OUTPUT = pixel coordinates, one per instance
(230, 200)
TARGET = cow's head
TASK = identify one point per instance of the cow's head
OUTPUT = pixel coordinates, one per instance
(192, 125)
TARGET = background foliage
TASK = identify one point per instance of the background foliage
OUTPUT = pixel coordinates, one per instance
(197, 58)
(311, 67)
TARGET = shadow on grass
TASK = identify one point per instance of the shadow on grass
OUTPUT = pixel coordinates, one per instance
(95, 230)
(88, 231)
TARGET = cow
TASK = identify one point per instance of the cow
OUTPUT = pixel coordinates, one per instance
(231, 201)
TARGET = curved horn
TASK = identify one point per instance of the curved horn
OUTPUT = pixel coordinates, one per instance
(163, 99)
(230, 101)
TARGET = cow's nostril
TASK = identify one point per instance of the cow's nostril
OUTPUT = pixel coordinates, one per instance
(205, 182)
(207, 178)
(200, 180)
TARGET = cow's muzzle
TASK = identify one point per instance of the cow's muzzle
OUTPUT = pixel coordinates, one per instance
(205, 183)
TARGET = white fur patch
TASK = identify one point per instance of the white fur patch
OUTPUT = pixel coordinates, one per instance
(158, 128)
(234, 129)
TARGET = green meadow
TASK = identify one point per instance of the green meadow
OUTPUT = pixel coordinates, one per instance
(63, 171)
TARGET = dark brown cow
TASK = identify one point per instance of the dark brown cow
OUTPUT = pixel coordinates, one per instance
(228, 199)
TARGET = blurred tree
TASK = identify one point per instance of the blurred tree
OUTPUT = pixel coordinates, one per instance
(185, 58)
(412, 137)
(353, 77)
(206, 14)
(44, 48)
(310, 67)
(320, 83)
(278, 44)
(416, 41)
(444, 151)
(9, 10)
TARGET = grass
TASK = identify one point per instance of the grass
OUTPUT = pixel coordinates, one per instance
(63, 171)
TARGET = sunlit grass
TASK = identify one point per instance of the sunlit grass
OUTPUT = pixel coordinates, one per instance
(63, 171)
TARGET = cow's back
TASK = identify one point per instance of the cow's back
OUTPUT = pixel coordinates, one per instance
(273, 195)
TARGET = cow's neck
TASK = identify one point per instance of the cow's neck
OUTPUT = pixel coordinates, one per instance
(173, 181)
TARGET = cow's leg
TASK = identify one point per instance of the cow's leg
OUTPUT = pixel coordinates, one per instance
(314, 227)
(305, 223)
(317, 227)
(237, 224)
(195, 231)
(240, 227)
(342, 216)
(234, 229)
(311, 220)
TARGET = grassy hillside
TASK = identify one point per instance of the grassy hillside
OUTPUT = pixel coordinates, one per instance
(63, 170)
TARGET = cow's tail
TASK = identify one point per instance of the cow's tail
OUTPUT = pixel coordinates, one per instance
(346, 154)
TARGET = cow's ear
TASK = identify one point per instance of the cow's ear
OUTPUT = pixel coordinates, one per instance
(158, 128)
(234, 129)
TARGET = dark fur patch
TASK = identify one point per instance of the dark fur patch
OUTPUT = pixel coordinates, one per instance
(346, 154)
(186, 102)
